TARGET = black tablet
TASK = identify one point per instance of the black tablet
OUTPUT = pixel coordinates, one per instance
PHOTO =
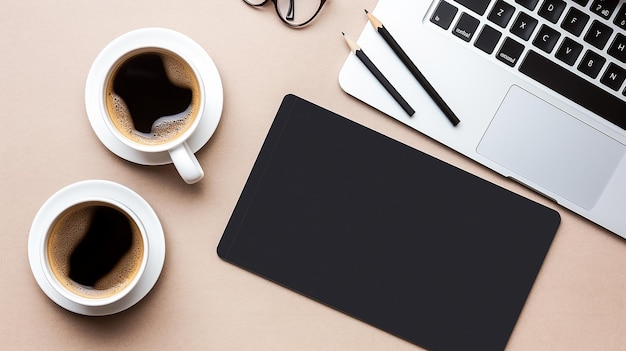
(385, 233)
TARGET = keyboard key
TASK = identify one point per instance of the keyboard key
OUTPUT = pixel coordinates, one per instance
(620, 18)
(466, 27)
(443, 15)
(582, 3)
(618, 47)
(487, 39)
(552, 10)
(598, 34)
(524, 26)
(591, 64)
(501, 13)
(510, 52)
(546, 38)
(575, 88)
(569, 51)
(613, 77)
(529, 4)
(478, 6)
(604, 8)
(575, 21)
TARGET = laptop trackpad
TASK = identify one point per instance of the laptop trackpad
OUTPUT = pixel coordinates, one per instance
(551, 148)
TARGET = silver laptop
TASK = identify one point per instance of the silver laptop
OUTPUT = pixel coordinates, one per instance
(539, 87)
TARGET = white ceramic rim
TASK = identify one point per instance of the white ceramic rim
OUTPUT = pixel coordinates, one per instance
(157, 147)
(104, 191)
(169, 40)
(52, 279)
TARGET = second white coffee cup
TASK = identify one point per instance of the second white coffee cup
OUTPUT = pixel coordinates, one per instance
(96, 247)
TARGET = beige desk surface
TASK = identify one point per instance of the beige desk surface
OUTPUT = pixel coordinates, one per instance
(201, 302)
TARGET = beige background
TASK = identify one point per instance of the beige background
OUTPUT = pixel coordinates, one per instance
(201, 302)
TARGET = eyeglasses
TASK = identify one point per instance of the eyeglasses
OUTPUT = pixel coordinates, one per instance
(294, 13)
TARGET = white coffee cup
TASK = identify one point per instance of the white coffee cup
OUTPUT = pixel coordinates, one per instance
(64, 258)
(150, 147)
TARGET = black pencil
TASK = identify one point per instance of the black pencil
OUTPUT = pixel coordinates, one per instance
(414, 70)
(378, 74)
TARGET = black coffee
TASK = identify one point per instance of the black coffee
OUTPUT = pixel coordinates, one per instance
(143, 84)
(107, 240)
(95, 249)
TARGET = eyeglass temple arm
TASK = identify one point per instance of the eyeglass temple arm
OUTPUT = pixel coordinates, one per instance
(290, 11)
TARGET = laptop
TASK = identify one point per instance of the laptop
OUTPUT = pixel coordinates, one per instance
(539, 87)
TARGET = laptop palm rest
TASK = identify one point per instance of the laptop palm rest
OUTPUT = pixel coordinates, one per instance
(551, 148)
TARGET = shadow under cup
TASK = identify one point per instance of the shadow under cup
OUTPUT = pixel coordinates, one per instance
(153, 97)
(95, 252)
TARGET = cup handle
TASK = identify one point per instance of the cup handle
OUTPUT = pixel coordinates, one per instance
(186, 163)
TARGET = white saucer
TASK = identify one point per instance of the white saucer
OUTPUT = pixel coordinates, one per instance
(102, 189)
(158, 38)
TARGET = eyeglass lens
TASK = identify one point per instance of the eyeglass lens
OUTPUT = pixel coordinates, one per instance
(293, 12)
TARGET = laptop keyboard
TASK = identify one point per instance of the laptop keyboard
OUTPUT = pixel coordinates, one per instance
(576, 48)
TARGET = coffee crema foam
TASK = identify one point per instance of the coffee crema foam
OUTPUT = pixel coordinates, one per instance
(66, 234)
(166, 128)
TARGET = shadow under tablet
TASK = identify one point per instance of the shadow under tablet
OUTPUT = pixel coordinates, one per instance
(387, 234)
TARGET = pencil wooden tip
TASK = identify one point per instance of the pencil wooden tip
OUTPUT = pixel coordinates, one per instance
(376, 23)
(351, 43)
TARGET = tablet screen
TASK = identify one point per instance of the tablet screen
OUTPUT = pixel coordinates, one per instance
(385, 233)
